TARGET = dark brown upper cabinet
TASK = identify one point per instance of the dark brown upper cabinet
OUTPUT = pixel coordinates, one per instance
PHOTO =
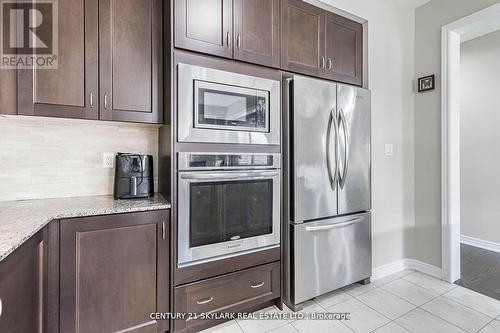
(302, 38)
(109, 64)
(257, 31)
(130, 33)
(344, 49)
(71, 90)
(319, 43)
(204, 26)
(246, 30)
(114, 273)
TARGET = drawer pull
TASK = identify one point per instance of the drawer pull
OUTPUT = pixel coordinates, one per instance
(255, 286)
(205, 301)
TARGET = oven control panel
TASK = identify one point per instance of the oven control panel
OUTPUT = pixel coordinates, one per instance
(210, 161)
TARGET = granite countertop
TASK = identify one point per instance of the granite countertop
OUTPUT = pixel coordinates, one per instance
(19, 220)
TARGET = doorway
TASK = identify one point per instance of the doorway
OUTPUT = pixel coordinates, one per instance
(471, 27)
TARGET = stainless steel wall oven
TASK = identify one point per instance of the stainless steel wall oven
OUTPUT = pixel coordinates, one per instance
(229, 204)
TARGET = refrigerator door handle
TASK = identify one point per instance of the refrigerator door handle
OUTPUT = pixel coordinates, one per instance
(342, 178)
(333, 175)
(335, 225)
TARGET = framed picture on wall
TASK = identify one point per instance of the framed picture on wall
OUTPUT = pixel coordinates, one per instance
(426, 83)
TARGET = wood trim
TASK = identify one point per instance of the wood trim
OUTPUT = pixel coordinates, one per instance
(197, 59)
(51, 237)
(163, 269)
(219, 267)
(480, 243)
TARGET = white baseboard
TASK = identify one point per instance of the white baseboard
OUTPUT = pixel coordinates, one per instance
(425, 268)
(402, 264)
(388, 269)
(480, 243)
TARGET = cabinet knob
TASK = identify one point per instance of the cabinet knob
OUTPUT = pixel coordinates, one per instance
(205, 301)
(258, 285)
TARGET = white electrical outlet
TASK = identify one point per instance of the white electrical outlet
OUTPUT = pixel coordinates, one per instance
(108, 160)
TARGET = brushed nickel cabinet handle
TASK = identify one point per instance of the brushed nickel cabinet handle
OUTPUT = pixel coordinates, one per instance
(228, 38)
(91, 100)
(255, 286)
(329, 64)
(322, 62)
(205, 301)
(238, 41)
(1, 309)
(105, 101)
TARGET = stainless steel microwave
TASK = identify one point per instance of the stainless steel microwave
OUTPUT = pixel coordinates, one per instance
(216, 106)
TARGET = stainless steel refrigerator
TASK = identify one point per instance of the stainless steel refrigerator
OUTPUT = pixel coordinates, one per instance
(327, 191)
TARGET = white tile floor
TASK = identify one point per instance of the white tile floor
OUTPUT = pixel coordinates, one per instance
(404, 302)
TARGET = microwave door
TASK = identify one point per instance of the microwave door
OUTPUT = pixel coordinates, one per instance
(354, 116)
(314, 144)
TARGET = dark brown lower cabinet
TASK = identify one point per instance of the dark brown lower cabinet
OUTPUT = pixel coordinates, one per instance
(23, 281)
(114, 273)
(228, 293)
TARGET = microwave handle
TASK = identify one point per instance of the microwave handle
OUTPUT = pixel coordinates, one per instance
(222, 176)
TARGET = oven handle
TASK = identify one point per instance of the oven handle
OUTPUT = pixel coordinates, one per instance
(232, 176)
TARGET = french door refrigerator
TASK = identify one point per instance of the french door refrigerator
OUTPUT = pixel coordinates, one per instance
(327, 187)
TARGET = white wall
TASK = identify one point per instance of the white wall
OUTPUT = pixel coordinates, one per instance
(480, 138)
(51, 158)
(390, 73)
(428, 22)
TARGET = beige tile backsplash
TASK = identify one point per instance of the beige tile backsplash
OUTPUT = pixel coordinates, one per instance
(53, 158)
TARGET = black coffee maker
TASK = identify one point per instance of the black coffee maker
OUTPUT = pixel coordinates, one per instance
(133, 176)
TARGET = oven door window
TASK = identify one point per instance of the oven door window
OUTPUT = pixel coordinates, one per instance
(219, 106)
(230, 210)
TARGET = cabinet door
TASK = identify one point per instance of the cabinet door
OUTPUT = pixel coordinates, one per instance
(130, 60)
(114, 273)
(256, 31)
(204, 26)
(344, 49)
(22, 291)
(70, 91)
(302, 37)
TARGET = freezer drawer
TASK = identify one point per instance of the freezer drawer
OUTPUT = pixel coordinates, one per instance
(330, 254)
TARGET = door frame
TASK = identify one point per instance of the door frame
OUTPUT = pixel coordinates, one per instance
(452, 35)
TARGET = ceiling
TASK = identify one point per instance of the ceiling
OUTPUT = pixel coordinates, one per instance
(408, 4)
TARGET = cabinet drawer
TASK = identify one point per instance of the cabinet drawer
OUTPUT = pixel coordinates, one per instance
(228, 293)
